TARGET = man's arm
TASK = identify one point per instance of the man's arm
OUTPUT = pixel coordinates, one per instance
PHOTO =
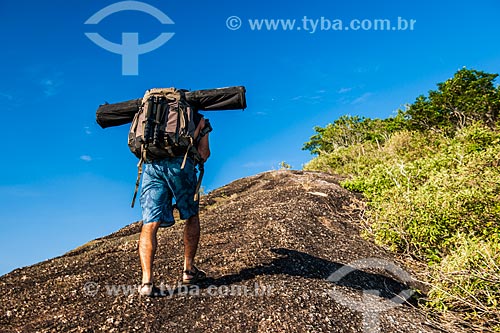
(204, 148)
(203, 145)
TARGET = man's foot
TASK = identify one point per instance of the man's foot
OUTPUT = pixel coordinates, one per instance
(148, 289)
(193, 276)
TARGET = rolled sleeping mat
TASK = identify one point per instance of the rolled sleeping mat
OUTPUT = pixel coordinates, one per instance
(219, 99)
(109, 115)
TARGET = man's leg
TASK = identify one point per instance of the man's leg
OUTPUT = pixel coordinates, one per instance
(147, 249)
(191, 239)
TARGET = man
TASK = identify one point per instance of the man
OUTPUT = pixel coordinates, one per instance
(162, 181)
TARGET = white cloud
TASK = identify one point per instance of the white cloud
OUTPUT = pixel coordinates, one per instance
(362, 98)
(87, 130)
(259, 164)
(6, 96)
(361, 70)
(307, 98)
(52, 85)
(344, 90)
(364, 70)
(86, 158)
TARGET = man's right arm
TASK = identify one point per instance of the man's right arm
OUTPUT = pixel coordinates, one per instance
(203, 144)
(204, 148)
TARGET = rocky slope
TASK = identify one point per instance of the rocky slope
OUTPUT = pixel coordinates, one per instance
(282, 250)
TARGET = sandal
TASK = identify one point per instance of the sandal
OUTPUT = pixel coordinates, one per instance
(196, 276)
(148, 289)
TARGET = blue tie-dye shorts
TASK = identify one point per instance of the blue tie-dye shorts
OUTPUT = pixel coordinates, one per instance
(163, 181)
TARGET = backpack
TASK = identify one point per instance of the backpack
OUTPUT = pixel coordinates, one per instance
(163, 127)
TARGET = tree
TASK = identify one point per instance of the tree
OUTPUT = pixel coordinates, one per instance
(469, 96)
(351, 130)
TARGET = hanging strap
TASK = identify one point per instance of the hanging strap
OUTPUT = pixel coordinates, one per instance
(188, 150)
(139, 174)
(201, 167)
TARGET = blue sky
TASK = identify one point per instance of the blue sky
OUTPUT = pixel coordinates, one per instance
(66, 181)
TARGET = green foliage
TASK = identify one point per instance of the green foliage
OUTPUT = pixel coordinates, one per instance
(351, 130)
(469, 278)
(468, 97)
(284, 166)
(431, 176)
(431, 199)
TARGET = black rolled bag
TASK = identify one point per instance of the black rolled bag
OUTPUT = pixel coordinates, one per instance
(219, 99)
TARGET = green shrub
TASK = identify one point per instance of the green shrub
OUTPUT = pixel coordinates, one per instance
(468, 281)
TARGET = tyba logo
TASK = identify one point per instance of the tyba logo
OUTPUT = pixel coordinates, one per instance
(130, 49)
